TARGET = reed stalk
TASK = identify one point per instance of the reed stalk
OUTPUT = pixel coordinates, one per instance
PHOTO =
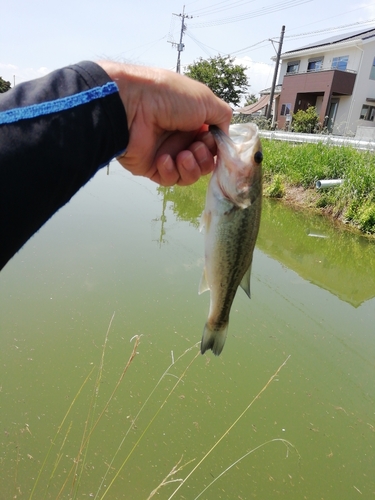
(230, 428)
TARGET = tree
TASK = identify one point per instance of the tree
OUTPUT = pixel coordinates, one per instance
(250, 99)
(226, 79)
(4, 85)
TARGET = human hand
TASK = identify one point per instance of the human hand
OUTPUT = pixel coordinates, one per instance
(168, 117)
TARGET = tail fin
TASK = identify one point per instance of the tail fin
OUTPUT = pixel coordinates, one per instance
(214, 338)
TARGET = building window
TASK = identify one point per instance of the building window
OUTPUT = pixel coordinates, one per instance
(292, 67)
(285, 109)
(372, 72)
(340, 62)
(315, 64)
(367, 113)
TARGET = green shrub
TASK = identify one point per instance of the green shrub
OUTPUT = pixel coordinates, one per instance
(362, 215)
(305, 121)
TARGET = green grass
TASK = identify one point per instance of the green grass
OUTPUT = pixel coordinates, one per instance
(276, 188)
(301, 165)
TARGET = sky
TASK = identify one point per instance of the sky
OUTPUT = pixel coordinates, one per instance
(38, 36)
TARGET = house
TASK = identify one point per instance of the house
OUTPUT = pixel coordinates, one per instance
(259, 108)
(337, 76)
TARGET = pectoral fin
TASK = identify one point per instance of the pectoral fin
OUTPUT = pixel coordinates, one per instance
(201, 224)
(205, 222)
(245, 282)
(203, 285)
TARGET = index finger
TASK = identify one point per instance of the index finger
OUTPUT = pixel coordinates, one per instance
(218, 113)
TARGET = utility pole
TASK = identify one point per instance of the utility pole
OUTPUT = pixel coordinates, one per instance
(268, 116)
(180, 46)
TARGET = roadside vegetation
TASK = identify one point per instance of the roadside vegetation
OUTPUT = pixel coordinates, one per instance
(291, 170)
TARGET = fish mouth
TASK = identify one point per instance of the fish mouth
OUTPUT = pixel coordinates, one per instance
(223, 142)
(241, 142)
(216, 132)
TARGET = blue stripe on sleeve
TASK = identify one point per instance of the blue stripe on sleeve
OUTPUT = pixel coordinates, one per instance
(62, 104)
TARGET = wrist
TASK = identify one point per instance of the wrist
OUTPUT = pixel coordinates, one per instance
(131, 81)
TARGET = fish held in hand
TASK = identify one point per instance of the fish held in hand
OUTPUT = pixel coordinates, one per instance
(231, 220)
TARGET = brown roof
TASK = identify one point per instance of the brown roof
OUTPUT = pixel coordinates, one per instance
(256, 106)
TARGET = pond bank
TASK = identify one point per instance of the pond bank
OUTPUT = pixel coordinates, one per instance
(308, 201)
(290, 172)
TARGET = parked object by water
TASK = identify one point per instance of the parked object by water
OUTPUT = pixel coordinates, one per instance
(231, 219)
(323, 184)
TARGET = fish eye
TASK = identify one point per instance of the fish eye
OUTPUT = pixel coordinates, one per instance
(258, 157)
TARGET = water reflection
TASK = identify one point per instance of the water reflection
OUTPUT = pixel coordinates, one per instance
(186, 203)
(318, 250)
(334, 259)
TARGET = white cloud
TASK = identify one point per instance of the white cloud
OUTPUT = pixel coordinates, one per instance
(7, 66)
(259, 74)
(11, 73)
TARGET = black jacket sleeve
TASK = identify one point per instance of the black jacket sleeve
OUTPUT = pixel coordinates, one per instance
(55, 133)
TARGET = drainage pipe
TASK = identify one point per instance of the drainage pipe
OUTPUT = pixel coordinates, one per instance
(328, 183)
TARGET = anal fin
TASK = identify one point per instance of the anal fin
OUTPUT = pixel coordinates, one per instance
(245, 282)
(203, 285)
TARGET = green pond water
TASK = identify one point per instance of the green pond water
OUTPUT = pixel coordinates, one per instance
(123, 246)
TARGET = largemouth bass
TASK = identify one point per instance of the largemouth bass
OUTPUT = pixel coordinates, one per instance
(231, 220)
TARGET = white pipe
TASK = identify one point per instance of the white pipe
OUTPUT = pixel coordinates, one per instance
(328, 183)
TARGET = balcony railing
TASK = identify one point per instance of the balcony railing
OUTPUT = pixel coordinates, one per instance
(321, 70)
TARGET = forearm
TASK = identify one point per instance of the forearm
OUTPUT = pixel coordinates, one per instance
(55, 133)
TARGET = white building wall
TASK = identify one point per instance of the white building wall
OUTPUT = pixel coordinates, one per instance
(327, 53)
(361, 57)
(364, 88)
(341, 122)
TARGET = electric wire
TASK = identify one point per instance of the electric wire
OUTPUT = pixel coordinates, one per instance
(300, 35)
(213, 10)
(201, 45)
(328, 30)
(249, 15)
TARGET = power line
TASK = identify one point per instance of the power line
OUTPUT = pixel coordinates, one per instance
(250, 46)
(256, 13)
(213, 10)
(172, 28)
(200, 44)
(327, 30)
(151, 43)
(319, 21)
(301, 35)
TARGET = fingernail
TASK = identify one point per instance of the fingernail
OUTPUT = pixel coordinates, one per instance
(188, 162)
(202, 153)
(166, 163)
